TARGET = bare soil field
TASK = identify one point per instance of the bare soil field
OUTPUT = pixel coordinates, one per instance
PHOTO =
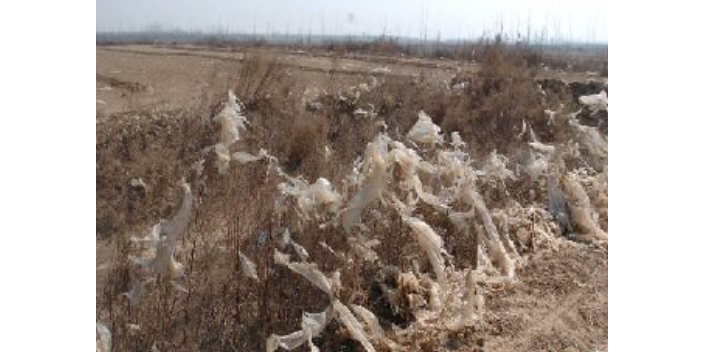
(176, 76)
(464, 205)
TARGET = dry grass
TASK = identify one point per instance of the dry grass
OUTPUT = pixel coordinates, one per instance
(244, 212)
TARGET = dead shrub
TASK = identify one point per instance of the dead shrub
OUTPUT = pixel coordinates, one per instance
(306, 143)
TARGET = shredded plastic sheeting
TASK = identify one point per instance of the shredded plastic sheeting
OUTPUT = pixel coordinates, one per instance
(248, 268)
(557, 205)
(363, 248)
(432, 244)
(300, 251)
(590, 139)
(135, 293)
(536, 144)
(310, 198)
(231, 121)
(175, 269)
(395, 176)
(544, 148)
(245, 158)
(551, 116)
(175, 228)
(581, 209)
(178, 287)
(223, 157)
(285, 239)
(307, 270)
(501, 219)
(536, 167)
(495, 167)
(461, 219)
(312, 324)
(497, 251)
(365, 113)
(370, 321)
(353, 326)
(468, 303)
(425, 131)
(595, 102)
(165, 236)
(327, 153)
(408, 286)
(428, 197)
(138, 183)
(409, 162)
(287, 342)
(533, 228)
(456, 140)
(374, 185)
(104, 341)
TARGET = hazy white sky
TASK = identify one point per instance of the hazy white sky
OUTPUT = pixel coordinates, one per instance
(576, 19)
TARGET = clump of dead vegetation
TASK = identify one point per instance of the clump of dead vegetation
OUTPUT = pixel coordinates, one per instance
(377, 217)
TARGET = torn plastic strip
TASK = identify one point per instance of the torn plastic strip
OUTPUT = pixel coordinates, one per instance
(371, 191)
(104, 343)
(353, 326)
(248, 267)
(425, 131)
(432, 244)
(312, 324)
(307, 270)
